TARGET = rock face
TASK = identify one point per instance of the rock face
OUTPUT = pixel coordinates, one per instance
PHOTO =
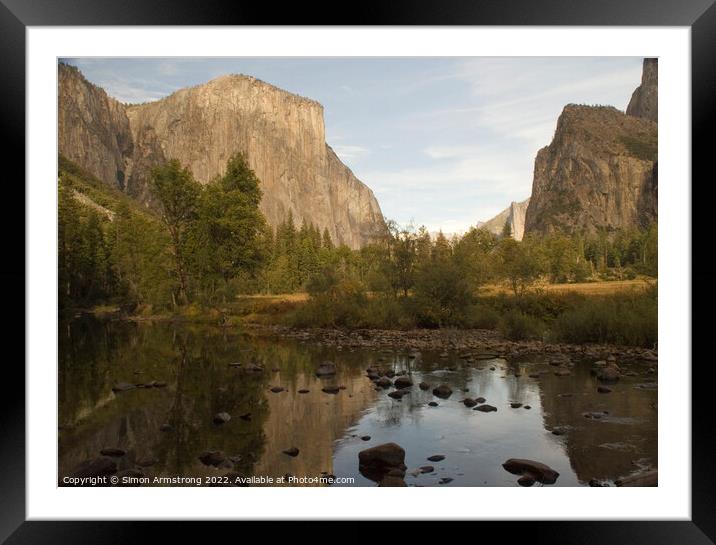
(644, 100)
(281, 135)
(514, 214)
(93, 128)
(599, 172)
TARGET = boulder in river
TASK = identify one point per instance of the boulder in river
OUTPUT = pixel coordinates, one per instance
(540, 472)
(402, 382)
(398, 394)
(608, 374)
(436, 458)
(123, 387)
(221, 418)
(443, 391)
(277, 389)
(212, 457)
(424, 386)
(469, 402)
(485, 408)
(331, 389)
(376, 463)
(515, 405)
(326, 369)
(383, 382)
(292, 452)
(433, 404)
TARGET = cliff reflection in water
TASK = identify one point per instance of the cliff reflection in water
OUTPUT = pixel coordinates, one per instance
(164, 428)
(194, 363)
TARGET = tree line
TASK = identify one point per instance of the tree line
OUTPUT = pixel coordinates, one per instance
(206, 244)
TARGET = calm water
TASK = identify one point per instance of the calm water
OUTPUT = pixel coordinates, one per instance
(327, 429)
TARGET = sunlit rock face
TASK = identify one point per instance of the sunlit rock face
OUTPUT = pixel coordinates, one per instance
(644, 100)
(599, 172)
(514, 215)
(281, 135)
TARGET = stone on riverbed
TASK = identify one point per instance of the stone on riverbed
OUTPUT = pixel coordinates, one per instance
(436, 458)
(485, 408)
(123, 387)
(221, 418)
(377, 462)
(326, 369)
(292, 452)
(402, 382)
(331, 389)
(277, 389)
(212, 458)
(608, 374)
(515, 405)
(433, 404)
(531, 470)
(443, 391)
(604, 390)
(398, 394)
(424, 386)
(383, 382)
(468, 402)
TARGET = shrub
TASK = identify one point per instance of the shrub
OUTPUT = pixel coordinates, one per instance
(518, 326)
(629, 319)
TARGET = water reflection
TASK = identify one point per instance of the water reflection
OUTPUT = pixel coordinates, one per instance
(164, 429)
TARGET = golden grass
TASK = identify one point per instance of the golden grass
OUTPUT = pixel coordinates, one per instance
(587, 288)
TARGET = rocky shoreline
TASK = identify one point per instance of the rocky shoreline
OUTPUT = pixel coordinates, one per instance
(416, 340)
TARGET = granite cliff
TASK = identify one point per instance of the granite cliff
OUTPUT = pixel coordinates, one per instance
(514, 214)
(644, 100)
(281, 135)
(599, 172)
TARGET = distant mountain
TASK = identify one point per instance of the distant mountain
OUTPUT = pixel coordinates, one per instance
(281, 135)
(514, 214)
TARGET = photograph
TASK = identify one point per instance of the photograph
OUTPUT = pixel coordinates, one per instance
(357, 271)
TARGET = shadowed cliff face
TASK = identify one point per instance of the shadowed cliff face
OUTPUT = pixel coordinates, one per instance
(281, 135)
(644, 100)
(93, 129)
(599, 172)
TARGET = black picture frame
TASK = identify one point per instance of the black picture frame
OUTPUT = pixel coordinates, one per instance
(16, 15)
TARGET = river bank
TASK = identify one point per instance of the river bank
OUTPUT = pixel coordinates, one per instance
(477, 340)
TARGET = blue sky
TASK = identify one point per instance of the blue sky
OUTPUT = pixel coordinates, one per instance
(442, 141)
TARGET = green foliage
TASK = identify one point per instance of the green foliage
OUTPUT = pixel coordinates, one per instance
(642, 146)
(518, 326)
(629, 319)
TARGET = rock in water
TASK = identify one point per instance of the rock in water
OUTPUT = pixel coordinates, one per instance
(402, 382)
(201, 126)
(468, 402)
(326, 369)
(292, 452)
(535, 470)
(123, 387)
(485, 408)
(443, 391)
(436, 458)
(424, 386)
(212, 457)
(608, 374)
(221, 418)
(385, 456)
(331, 389)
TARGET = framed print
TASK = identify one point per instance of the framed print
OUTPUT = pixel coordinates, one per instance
(404, 270)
